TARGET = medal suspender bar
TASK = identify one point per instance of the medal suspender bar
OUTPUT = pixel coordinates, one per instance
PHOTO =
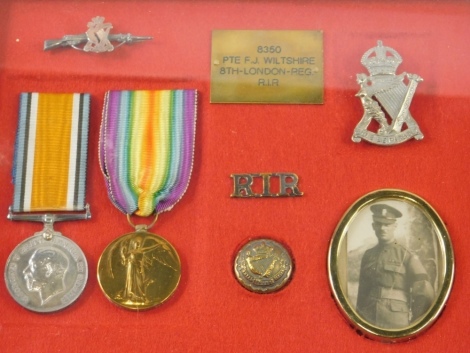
(48, 272)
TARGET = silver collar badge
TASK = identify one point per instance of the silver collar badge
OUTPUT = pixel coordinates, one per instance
(383, 90)
(97, 38)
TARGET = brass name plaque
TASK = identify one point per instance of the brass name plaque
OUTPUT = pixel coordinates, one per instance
(267, 67)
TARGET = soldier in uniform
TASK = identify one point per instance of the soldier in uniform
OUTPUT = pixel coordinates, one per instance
(394, 288)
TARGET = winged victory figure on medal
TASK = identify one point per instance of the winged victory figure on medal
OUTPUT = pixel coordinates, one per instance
(138, 253)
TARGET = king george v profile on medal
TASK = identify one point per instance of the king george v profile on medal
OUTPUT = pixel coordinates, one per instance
(45, 273)
(394, 287)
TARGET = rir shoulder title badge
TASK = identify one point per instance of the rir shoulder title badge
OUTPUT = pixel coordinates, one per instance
(386, 98)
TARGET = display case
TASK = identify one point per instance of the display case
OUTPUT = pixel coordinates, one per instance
(210, 311)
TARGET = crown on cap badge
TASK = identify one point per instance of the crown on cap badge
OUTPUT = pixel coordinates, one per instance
(378, 62)
(386, 98)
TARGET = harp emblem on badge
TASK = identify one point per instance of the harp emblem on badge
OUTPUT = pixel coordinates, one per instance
(262, 261)
(386, 98)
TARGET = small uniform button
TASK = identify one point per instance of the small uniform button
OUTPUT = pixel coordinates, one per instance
(263, 266)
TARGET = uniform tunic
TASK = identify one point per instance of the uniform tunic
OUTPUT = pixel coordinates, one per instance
(389, 274)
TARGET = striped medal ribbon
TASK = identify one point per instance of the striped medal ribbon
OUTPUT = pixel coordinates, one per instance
(49, 171)
(47, 271)
(147, 147)
(146, 155)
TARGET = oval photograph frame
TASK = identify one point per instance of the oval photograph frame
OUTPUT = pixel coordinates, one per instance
(391, 265)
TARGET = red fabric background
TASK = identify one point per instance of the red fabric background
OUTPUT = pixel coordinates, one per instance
(211, 312)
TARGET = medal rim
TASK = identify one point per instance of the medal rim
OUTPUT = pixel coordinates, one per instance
(137, 308)
(52, 309)
(445, 248)
(256, 288)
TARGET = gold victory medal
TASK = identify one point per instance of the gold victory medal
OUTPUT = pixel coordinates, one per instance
(139, 270)
(147, 171)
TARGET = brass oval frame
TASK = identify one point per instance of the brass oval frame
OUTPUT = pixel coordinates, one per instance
(364, 327)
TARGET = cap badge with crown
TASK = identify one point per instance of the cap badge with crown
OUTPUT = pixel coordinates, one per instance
(386, 98)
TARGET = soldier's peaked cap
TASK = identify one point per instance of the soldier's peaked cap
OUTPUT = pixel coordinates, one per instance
(384, 213)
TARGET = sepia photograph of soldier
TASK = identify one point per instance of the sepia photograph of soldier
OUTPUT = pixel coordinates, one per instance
(392, 265)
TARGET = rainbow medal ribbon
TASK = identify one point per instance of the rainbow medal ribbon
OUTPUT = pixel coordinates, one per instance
(146, 155)
(48, 272)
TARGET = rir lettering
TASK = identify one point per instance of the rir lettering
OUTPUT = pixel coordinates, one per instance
(243, 185)
(268, 82)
